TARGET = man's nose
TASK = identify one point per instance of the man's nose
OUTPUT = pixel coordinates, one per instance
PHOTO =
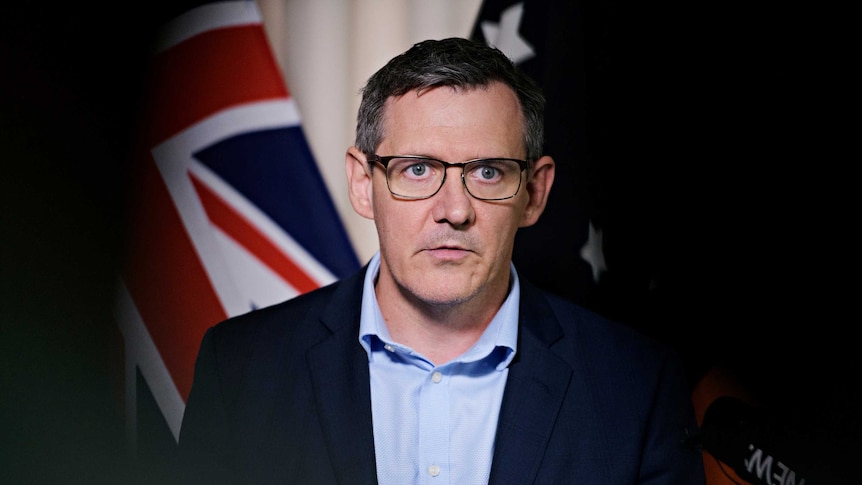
(452, 203)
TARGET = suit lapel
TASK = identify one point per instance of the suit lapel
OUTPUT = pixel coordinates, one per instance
(535, 389)
(339, 374)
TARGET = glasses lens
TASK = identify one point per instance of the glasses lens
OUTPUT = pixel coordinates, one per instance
(492, 178)
(414, 177)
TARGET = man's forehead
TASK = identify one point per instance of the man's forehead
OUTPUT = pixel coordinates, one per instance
(495, 104)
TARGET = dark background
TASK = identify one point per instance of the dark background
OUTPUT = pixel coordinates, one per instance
(716, 167)
(70, 77)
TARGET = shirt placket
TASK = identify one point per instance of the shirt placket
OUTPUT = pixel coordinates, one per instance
(434, 434)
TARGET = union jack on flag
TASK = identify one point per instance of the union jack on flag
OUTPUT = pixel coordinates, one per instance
(228, 209)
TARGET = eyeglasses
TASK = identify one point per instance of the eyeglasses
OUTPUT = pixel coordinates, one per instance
(413, 177)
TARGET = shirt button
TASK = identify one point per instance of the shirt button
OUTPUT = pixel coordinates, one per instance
(433, 470)
(436, 377)
(389, 347)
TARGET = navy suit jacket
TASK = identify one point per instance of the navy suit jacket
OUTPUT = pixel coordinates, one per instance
(281, 395)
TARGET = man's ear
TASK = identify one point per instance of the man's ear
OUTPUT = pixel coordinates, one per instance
(359, 187)
(538, 188)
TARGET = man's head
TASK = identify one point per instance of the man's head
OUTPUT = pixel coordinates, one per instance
(453, 101)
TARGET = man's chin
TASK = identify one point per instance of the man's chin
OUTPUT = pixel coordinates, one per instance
(440, 294)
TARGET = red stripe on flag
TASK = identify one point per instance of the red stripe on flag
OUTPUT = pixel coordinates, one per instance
(233, 223)
(208, 73)
(166, 278)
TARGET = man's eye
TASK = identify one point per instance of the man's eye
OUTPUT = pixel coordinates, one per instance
(488, 173)
(418, 169)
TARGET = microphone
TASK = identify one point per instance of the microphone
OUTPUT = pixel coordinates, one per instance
(759, 448)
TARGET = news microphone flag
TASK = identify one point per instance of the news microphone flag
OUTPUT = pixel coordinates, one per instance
(228, 209)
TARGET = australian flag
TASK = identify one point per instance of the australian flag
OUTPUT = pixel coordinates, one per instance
(228, 211)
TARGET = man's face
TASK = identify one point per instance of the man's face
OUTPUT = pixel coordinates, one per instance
(450, 248)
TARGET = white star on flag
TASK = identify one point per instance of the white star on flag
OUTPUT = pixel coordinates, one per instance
(592, 252)
(504, 35)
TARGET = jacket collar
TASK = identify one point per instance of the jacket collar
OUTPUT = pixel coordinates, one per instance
(535, 390)
(339, 376)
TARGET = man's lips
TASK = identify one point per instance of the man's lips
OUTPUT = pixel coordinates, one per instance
(448, 252)
(448, 246)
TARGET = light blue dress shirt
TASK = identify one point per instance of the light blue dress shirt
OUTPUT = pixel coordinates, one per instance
(436, 424)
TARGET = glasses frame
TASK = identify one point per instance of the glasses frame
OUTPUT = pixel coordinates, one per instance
(384, 161)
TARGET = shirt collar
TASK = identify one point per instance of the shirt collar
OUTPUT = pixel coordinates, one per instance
(501, 332)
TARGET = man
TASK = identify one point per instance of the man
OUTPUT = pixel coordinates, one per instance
(436, 363)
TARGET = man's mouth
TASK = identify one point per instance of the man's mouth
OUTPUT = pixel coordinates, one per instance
(448, 253)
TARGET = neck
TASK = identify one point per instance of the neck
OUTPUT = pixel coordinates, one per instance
(440, 332)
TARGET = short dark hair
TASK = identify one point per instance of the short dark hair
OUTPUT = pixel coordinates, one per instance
(457, 62)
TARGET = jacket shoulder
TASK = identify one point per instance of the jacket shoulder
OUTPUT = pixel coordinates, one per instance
(339, 297)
